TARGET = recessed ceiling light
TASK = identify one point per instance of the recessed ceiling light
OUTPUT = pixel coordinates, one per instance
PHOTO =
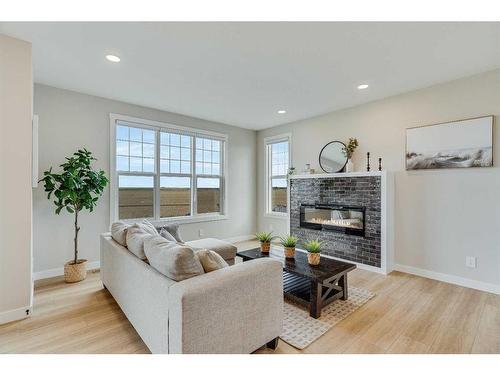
(113, 58)
(281, 111)
(363, 86)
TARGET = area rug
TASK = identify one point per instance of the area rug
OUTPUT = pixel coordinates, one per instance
(300, 330)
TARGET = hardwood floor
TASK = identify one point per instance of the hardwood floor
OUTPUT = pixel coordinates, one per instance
(409, 314)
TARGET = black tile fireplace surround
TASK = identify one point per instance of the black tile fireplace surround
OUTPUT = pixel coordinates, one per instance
(333, 217)
(358, 193)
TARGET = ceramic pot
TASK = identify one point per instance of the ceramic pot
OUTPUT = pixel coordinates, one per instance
(265, 247)
(289, 252)
(75, 272)
(349, 167)
(313, 258)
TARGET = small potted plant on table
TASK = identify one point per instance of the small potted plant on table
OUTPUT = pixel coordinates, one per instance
(313, 248)
(77, 187)
(265, 239)
(289, 243)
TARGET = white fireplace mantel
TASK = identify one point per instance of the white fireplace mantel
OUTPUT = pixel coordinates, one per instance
(336, 175)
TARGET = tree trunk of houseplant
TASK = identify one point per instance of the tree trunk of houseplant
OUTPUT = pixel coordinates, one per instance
(76, 269)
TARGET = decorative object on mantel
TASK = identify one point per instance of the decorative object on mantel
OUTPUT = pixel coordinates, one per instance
(307, 168)
(348, 151)
(313, 248)
(332, 158)
(379, 164)
(289, 242)
(76, 188)
(265, 239)
(368, 162)
(291, 171)
(456, 144)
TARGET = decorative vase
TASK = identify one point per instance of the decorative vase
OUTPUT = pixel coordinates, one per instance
(313, 258)
(75, 272)
(349, 167)
(289, 252)
(265, 247)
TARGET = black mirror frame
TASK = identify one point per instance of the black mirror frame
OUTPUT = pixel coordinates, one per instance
(319, 157)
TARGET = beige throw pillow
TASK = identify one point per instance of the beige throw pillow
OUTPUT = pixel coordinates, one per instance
(173, 229)
(210, 260)
(166, 234)
(119, 232)
(148, 227)
(136, 234)
(175, 261)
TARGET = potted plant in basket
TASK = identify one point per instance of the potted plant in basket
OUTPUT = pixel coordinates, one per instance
(313, 248)
(289, 243)
(77, 187)
(265, 239)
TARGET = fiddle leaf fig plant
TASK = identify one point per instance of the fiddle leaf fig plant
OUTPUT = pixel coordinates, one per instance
(77, 187)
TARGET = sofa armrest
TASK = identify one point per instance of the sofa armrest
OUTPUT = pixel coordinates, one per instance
(232, 310)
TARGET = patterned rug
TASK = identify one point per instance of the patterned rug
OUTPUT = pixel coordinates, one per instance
(300, 330)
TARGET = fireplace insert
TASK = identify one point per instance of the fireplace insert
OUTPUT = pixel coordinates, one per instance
(333, 217)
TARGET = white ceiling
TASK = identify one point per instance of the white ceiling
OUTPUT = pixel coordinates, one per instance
(243, 73)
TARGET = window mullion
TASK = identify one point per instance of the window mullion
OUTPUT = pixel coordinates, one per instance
(194, 202)
(157, 195)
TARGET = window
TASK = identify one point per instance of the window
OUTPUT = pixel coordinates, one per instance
(278, 159)
(164, 171)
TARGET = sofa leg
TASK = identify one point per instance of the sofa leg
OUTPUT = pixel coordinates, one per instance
(273, 344)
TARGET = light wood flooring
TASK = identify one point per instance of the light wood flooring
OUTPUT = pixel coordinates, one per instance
(409, 314)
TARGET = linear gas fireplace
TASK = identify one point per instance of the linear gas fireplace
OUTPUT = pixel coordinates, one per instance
(333, 217)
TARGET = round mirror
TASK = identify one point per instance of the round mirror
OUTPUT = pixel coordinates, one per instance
(332, 158)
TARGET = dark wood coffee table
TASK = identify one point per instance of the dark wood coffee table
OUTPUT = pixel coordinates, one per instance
(312, 286)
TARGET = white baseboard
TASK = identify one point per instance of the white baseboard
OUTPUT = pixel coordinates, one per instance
(60, 271)
(462, 281)
(16, 314)
(247, 237)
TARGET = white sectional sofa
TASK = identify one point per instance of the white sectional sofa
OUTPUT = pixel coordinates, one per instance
(236, 309)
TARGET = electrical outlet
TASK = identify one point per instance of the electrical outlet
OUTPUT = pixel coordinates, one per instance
(201, 233)
(470, 262)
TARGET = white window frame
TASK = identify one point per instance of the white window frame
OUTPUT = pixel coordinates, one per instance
(268, 141)
(168, 127)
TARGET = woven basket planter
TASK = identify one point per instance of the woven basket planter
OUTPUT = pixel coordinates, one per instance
(313, 258)
(75, 272)
(265, 247)
(289, 252)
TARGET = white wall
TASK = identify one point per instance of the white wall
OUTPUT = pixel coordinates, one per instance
(16, 88)
(440, 215)
(70, 120)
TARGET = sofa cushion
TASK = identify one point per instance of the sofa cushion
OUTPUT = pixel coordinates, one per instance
(173, 229)
(166, 234)
(136, 234)
(210, 260)
(175, 261)
(225, 249)
(148, 227)
(119, 232)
